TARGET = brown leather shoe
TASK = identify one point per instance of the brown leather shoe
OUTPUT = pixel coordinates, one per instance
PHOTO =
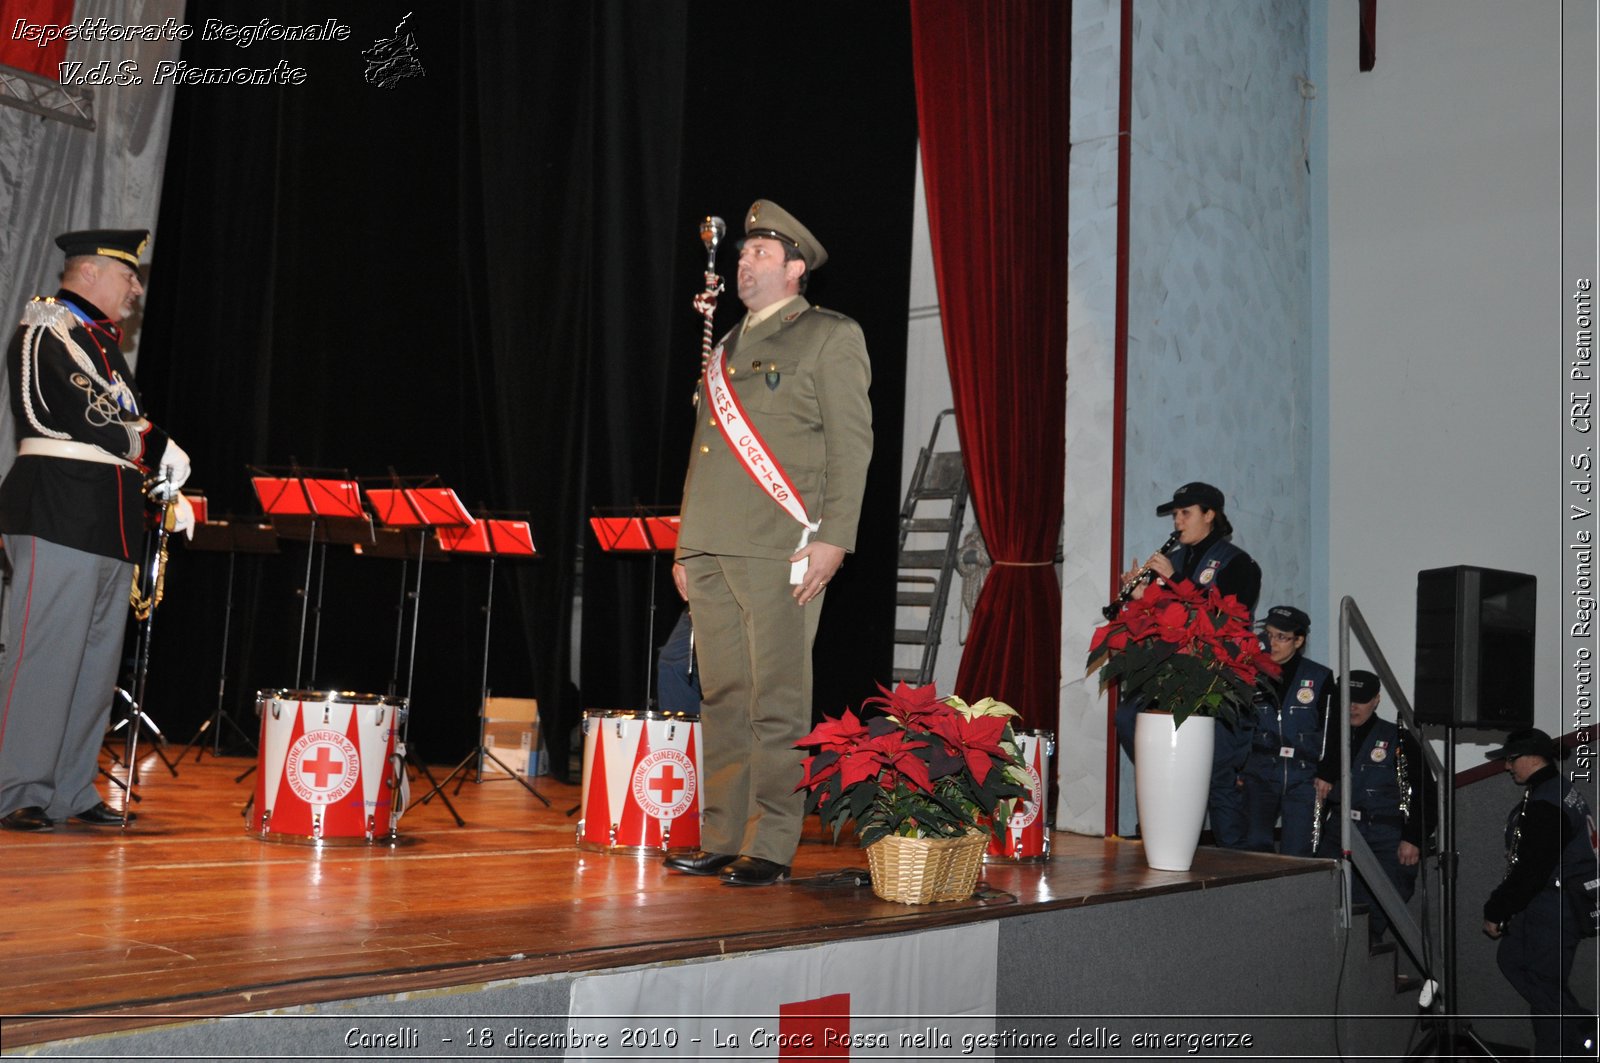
(28, 818)
(103, 815)
(698, 862)
(753, 871)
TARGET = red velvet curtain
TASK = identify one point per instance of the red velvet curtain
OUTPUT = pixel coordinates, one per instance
(992, 107)
(29, 54)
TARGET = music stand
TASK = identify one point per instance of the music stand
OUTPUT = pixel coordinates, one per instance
(400, 544)
(649, 531)
(494, 539)
(319, 510)
(417, 511)
(234, 538)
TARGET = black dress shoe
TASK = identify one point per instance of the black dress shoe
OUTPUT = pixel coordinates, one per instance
(753, 871)
(27, 818)
(102, 815)
(698, 862)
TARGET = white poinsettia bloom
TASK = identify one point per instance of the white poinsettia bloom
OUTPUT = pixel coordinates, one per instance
(986, 707)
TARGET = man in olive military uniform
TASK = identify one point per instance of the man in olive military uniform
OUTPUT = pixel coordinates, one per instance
(770, 506)
(72, 515)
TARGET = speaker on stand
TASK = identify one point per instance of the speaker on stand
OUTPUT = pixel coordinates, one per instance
(1474, 668)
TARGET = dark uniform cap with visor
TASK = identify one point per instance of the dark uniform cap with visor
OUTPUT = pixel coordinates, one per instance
(124, 245)
(1288, 618)
(1192, 494)
(766, 218)
(1364, 686)
(1530, 741)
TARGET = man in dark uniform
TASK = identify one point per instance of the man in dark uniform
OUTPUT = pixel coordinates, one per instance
(1205, 556)
(1548, 842)
(677, 678)
(72, 516)
(770, 506)
(1394, 809)
(1288, 739)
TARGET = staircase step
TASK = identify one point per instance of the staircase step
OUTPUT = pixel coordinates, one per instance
(922, 559)
(1407, 983)
(926, 524)
(924, 599)
(912, 636)
(909, 675)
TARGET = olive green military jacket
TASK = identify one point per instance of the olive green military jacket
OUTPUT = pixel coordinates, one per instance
(802, 376)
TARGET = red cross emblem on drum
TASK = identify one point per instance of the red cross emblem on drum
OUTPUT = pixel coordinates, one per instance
(322, 767)
(663, 784)
(1027, 809)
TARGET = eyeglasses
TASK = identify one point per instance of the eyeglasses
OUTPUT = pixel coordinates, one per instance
(1280, 637)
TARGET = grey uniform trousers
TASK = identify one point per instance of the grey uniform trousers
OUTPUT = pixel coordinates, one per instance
(65, 619)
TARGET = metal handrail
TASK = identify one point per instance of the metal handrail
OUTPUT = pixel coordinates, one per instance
(1353, 846)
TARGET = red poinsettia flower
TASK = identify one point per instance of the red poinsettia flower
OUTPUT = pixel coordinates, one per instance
(892, 757)
(837, 734)
(1233, 608)
(1186, 592)
(908, 704)
(1177, 641)
(1172, 623)
(925, 768)
(980, 743)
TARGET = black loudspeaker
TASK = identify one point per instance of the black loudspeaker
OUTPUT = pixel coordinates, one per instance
(1475, 647)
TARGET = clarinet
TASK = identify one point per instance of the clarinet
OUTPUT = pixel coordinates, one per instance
(1318, 806)
(1140, 577)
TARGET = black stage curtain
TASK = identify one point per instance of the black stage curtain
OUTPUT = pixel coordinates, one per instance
(485, 272)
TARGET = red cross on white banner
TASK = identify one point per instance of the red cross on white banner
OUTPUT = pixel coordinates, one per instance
(827, 1022)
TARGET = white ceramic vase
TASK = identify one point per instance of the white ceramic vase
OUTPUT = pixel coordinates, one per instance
(1172, 782)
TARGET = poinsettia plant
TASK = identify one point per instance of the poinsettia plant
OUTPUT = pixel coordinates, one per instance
(928, 767)
(1187, 651)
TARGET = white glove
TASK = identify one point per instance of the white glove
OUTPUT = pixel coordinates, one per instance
(174, 466)
(184, 521)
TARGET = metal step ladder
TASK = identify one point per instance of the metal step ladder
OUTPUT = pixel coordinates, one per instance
(935, 505)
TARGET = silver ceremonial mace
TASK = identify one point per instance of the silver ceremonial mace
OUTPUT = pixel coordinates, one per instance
(712, 230)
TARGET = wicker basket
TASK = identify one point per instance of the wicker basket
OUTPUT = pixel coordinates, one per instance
(926, 870)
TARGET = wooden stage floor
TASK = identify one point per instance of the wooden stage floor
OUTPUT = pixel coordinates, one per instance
(187, 915)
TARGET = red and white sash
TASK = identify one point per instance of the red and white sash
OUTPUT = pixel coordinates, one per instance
(751, 450)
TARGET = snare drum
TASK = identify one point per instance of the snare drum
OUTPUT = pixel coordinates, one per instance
(1027, 838)
(641, 782)
(328, 768)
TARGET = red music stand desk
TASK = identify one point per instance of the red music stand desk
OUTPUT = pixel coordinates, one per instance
(318, 509)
